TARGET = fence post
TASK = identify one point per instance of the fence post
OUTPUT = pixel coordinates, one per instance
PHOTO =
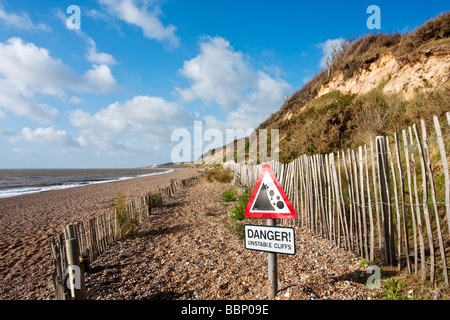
(59, 275)
(383, 182)
(441, 145)
(76, 272)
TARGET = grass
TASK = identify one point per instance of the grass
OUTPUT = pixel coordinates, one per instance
(219, 174)
(154, 199)
(126, 225)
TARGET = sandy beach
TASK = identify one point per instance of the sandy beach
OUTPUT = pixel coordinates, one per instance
(28, 222)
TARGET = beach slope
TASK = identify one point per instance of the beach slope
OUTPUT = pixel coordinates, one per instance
(28, 222)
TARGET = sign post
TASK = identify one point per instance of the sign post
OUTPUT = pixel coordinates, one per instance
(269, 201)
(272, 267)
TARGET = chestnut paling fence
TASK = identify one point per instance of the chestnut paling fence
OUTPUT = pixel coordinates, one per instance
(81, 242)
(388, 201)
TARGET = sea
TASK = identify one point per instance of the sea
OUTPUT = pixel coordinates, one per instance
(16, 182)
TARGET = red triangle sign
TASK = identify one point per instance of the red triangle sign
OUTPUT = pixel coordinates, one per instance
(268, 199)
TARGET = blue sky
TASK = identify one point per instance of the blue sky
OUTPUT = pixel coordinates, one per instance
(110, 94)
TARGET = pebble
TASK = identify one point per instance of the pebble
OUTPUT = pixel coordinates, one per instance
(224, 269)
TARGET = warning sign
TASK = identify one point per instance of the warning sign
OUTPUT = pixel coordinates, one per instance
(268, 199)
(270, 239)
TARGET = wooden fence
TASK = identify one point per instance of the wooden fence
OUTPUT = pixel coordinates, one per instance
(82, 242)
(388, 201)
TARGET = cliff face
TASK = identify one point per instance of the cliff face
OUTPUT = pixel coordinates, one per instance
(430, 70)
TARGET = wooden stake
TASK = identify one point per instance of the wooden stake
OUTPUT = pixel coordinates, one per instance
(441, 145)
(350, 192)
(383, 182)
(402, 193)
(372, 240)
(410, 192)
(425, 205)
(344, 214)
(73, 261)
(423, 272)
(375, 193)
(363, 202)
(394, 179)
(433, 197)
(358, 222)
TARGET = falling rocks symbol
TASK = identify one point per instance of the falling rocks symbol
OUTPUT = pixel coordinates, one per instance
(268, 199)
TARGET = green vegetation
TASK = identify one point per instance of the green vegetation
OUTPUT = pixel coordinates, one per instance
(363, 263)
(125, 224)
(229, 195)
(335, 121)
(154, 199)
(237, 213)
(338, 121)
(393, 289)
(400, 285)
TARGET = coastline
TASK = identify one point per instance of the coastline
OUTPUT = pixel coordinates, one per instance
(27, 222)
(43, 186)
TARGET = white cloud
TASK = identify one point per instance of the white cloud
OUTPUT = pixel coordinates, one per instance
(218, 74)
(30, 67)
(46, 136)
(99, 78)
(267, 97)
(22, 152)
(75, 100)
(23, 103)
(82, 141)
(221, 75)
(98, 57)
(27, 70)
(327, 48)
(142, 17)
(20, 21)
(145, 119)
(92, 55)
